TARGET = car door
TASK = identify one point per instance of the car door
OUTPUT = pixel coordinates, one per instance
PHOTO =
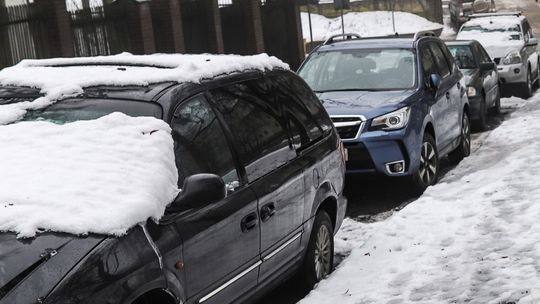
(255, 116)
(439, 104)
(531, 50)
(221, 240)
(457, 90)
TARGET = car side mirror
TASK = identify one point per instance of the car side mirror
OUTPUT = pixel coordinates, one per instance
(532, 42)
(198, 191)
(488, 66)
(435, 82)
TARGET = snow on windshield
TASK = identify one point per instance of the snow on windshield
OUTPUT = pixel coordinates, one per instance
(64, 77)
(100, 176)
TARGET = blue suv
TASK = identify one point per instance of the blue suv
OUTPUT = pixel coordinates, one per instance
(399, 104)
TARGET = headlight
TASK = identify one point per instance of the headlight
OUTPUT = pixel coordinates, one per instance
(512, 58)
(471, 91)
(392, 121)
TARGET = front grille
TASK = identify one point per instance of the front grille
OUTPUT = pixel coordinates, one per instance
(348, 127)
(497, 60)
(358, 157)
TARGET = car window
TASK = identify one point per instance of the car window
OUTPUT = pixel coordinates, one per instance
(526, 31)
(306, 123)
(464, 56)
(449, 58)
(258, 126)
(440, 60)
(428, 63)
(200, 146)
(482, 54)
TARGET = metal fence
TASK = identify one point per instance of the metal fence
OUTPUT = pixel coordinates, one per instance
(21, 35)
(99, 31)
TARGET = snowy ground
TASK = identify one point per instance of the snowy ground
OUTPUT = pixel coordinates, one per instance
(470, 239)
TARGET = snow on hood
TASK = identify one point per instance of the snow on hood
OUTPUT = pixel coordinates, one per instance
(58, 78)
(473, 238)
(102, 176)
(366, 24)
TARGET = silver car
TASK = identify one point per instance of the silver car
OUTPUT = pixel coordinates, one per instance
(509, 40)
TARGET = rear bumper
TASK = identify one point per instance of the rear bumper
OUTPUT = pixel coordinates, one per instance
(474, 104)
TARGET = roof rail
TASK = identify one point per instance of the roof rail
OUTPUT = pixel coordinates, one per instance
(421, 34)
(347, 36)
(498, 14)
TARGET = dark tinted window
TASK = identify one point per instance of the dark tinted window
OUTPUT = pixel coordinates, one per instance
(308, 121)
(200, 144)
(449, 58)
(257, 124)
(440, 60)
(482, 54)
(428, 63)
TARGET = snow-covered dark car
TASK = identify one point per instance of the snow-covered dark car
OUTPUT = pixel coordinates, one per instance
(481, 77)
(399, 104)
(261, 170)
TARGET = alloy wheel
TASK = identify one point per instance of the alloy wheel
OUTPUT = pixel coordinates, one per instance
(322, 253)
(428, 163)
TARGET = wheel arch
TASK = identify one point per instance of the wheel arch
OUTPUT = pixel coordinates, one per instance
(158, 295)
(326, 199)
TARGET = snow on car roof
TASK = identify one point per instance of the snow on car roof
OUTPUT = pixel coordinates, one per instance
(65, 77)
(99, 176)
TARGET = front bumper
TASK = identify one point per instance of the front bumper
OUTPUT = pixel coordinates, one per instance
(375, 152)
(513, 74)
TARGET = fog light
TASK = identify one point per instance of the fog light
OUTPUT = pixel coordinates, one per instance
(517, 71)
(397, 167)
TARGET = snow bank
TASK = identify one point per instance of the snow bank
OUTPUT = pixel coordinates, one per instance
(57, 81)
(102, 176)
(366, 24)
(473, 238)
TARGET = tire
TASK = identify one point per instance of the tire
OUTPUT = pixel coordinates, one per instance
(464, 148)
(528, 88)
(497, 107)
(427, 173)
(317, 266)
(481, 123)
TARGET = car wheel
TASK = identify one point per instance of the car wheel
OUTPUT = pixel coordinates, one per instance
(428, 171)
(497, 107)
(480, 124)
(319, 258)
(528, 90)
(464, 148)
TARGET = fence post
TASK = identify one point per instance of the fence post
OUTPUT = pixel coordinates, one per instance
(215, 33)
(254, 28)
(168, 26)
(58, 27)
(294, 36)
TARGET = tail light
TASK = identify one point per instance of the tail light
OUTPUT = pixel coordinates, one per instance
(343, 152)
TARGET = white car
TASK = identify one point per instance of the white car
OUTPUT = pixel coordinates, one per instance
(508, 39)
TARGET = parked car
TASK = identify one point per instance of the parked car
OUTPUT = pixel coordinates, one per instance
(460, 10)
(262, 172)
(399, 104)
(509, 41)
(482, 79)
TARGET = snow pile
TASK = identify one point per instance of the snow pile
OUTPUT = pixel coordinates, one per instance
(102, 176)
(473, 238)
(366, 24)
(58, 78)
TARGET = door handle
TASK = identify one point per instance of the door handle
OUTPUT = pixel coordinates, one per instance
(267, 211)
(448, 95)
(249, 222)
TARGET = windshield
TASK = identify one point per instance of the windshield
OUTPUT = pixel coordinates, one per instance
(513, 30)
(365, 69)
(88, 109)
(463, 55)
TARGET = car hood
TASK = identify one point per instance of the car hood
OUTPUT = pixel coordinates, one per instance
(496, 44)
(20, 258)
(367, 103)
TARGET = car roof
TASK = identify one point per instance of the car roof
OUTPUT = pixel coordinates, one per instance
(369, 43)
(461, 42)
